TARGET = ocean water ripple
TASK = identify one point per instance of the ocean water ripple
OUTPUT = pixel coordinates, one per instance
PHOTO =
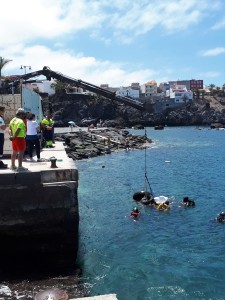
(175, 255)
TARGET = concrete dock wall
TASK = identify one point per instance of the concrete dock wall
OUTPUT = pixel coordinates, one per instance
(39, 213)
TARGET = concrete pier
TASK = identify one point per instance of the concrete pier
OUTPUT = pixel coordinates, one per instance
(39, 209)
(39, 216)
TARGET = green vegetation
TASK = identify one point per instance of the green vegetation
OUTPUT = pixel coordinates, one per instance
(3, 63)
(59, 86)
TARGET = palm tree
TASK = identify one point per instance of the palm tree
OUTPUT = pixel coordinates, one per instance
(185, 98)
(223, 89)
(218, 91)
(3, 62)
(196, 94)
(203, 94)
(211, 88)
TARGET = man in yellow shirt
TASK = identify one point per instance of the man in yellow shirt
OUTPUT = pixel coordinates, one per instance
(47, 125)
(2, 130)
(17, 131)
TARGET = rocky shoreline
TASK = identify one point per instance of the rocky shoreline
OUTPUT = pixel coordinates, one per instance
(84, 144)
(199, 112)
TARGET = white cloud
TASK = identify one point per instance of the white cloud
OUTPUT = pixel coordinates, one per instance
(40, 33)
(173, 16)
(77, 66)
(27, 21)
(210, 74)
(219, 25)
(213, 52)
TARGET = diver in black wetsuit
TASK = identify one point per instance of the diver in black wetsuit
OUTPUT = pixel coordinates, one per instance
(188, 202)
(148, 199)
(221, 217)
(152, 202)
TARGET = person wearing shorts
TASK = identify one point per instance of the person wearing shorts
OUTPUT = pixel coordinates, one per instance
(2, 130)
(17, 131)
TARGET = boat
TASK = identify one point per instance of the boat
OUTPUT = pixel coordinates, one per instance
(159, 127)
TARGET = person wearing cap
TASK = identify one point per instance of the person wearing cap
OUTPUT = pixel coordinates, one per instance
(2, 130)
(17, 131)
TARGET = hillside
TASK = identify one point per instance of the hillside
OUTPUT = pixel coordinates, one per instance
(75, 107)
(217, 103)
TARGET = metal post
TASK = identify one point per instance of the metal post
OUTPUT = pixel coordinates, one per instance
(25, 68)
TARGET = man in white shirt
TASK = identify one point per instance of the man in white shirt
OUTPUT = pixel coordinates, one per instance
(32, 138)
(2, 130)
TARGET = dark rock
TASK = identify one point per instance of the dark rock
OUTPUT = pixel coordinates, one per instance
(79, 108)
(84, 145)
(216, 125)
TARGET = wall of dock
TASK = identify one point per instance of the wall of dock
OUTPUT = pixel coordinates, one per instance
(39, 215)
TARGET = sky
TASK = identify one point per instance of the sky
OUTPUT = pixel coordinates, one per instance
(116, 42)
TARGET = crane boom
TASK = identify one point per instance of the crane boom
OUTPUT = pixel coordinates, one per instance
(49, 74)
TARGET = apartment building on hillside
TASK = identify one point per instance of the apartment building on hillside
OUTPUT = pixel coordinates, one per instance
(196, 84)
(180, 94)
(190, 84)
(164, 87)
(132, 91)
(149, 89)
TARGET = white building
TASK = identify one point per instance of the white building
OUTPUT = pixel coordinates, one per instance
(132, 91)
(164, 86)
(180, 94)
(74, 90)
(43, 86)
(149, 88)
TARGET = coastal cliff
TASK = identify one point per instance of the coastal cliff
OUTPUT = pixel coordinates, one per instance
(76, 107)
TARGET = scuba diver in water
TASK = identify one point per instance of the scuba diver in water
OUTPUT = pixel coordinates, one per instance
(135, 213)
(221, 217)
(152, 202)
(188, 202)
(148, 199)
(164, 206)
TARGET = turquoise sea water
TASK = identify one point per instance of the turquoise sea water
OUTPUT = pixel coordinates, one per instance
(175, 255)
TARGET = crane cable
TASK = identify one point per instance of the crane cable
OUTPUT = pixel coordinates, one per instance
(146, 181)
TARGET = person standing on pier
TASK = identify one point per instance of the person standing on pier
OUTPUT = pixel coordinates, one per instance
(48, 130)
(32, 138)
(127, 144)
(17, 132)
(2, 130)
